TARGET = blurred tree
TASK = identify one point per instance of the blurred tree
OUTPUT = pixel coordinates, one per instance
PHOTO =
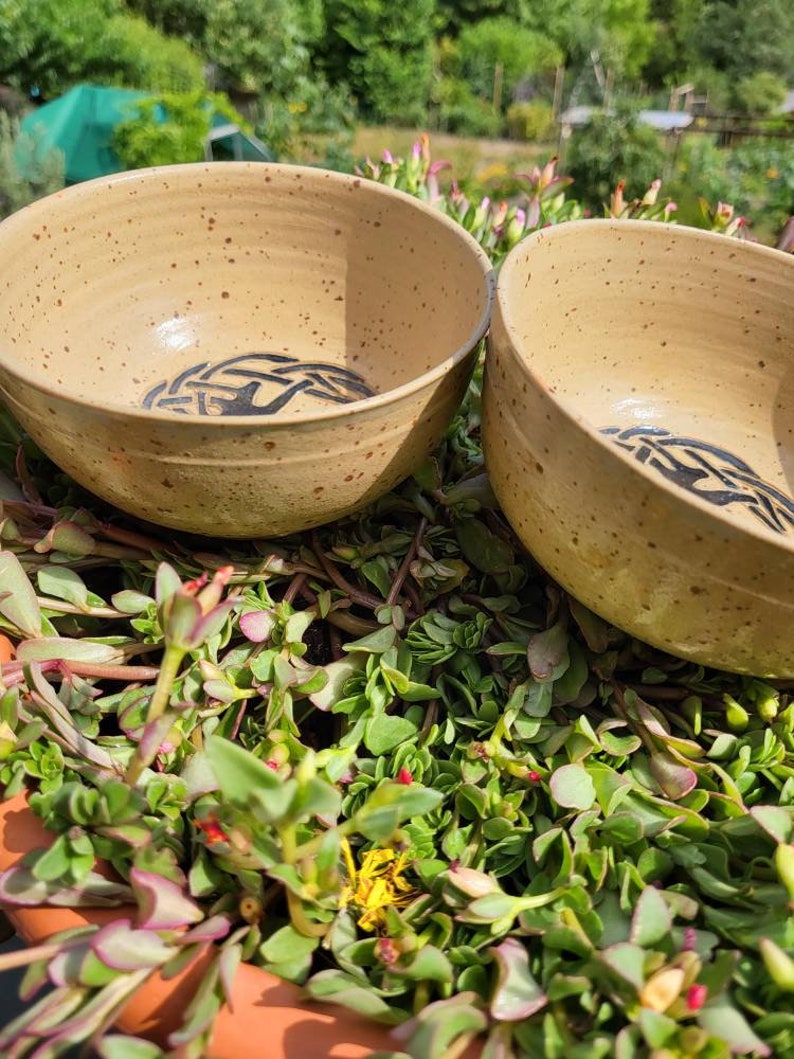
(384, 50)
(26, 170)
(255, 45)
(453, 15)
(177, 18)
(614, 146)
(621, 30)
(742, 37)
(760, 93)
(46, 46)
(519, 51)
(674, 52)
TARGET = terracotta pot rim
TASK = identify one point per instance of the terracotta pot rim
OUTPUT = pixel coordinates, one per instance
(286, 1024)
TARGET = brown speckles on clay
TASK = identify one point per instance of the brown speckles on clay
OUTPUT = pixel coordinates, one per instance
(594, 369)
(175, 298)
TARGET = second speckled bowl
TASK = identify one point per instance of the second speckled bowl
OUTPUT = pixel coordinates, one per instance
(238, 349)
(638, 430)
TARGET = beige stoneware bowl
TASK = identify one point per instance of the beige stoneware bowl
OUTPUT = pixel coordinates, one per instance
(639, 431)
(237, 349)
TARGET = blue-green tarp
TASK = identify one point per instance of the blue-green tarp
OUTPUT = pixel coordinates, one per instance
(81, 124)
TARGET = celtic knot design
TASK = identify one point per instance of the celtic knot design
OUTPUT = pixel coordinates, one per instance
(254, 384)
(708, 472)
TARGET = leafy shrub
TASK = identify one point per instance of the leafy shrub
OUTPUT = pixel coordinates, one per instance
(521, 53)
(186, 19)
(532, 120)
(761, 93)
(757, 177)
(147, 140)
(255, 45)
(383, 50)
(50, 45)
(715, 85)
(743, 37)
(315, 123)
(461, 112)
(137, 56)
(614, 146)
(27, 171)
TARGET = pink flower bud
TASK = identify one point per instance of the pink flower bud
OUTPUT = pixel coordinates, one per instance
(696, 997)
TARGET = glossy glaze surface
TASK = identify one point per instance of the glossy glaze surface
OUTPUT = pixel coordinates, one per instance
(639, 432)
(237, 349)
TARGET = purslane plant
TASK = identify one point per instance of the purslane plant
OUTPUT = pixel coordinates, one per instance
(392, 762)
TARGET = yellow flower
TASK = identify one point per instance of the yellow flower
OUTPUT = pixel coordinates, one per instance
(375, 886)
(772, 173)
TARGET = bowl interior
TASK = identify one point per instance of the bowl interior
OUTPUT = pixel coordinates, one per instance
(235, 289)
(673, 344)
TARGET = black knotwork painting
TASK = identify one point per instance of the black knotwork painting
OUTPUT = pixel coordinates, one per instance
(254, 384)
(710, 472)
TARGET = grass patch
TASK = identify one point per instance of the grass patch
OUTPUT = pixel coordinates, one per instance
(486, 165)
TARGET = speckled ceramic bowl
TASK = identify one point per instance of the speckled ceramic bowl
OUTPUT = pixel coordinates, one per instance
(237, 349)
(639, 431)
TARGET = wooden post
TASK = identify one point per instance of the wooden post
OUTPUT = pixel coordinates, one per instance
(559, 79)
(608, 87)
(498, 81)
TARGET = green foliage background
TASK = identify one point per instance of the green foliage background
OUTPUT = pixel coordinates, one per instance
(414, 62)
(303, 73)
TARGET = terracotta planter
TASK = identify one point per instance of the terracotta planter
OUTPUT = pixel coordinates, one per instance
(268, 1013)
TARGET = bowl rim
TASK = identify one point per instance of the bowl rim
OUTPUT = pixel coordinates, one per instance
(23, 217)
(519, 257)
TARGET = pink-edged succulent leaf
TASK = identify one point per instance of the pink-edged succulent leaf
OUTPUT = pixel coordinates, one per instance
(154, 736)
(517, 995)
(547, 653)
(167, 583)
(212, 929)
(257, 625)
(118, 1046)
(67, 537)
(440, 1024)
(18, 601)
(54, 711)
(726, 1023)
(651, 920)
(19, 888)
(48, 648)
(675, 780)
(93, 1015)
(64, 968)
(47, 1012)
(209, 624)
(627, 961)
(184, 614)
(162, 904)
(122, 947)
(228, 962)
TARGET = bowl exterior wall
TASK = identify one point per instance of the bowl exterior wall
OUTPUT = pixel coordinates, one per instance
(235, 349)
(257, 480)
(666, 572)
